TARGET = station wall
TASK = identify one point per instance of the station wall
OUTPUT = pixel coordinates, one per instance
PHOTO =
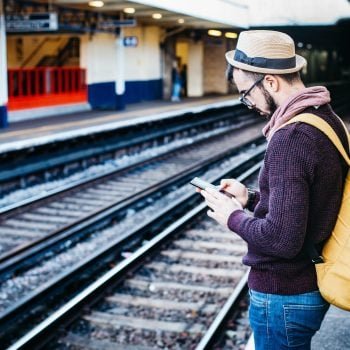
(100, 55)
(141, 67)
(205, 60)
(214, 67)
(145, 71)
(28, 50)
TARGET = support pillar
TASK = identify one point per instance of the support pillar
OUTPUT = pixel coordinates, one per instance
(120, 79)
(99, 56)
(195, 70)
(3, 70)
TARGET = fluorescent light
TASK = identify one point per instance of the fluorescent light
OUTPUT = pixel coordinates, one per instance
(214, 32)
(129, 10)
(231, 35)
(181, 20)
(157, 16)
(96, 3)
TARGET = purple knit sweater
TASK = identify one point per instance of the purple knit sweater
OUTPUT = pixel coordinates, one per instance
(301, 184)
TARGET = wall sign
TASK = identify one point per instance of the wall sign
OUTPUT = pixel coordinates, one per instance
(34, 22)
(131, 41)
(112, 24)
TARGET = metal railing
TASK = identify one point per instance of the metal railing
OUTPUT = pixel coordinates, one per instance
(58, 84)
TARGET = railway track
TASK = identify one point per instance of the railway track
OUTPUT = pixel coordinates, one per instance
(203, 265)
(49, 220)
(41, 285)
(171, 299)
(37, 165)
(175, 292)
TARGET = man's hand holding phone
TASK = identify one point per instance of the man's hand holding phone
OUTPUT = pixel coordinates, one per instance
(237, 189)
(222, 204)
(200, 185)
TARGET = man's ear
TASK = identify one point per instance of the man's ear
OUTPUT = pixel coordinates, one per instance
(271, 83)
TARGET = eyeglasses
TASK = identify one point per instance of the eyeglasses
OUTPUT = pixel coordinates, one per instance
(243, 98)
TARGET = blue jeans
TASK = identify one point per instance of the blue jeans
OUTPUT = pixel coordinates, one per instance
(285, 321)
(176, 92)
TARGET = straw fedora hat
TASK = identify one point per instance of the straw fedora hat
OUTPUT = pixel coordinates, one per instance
(265, 51)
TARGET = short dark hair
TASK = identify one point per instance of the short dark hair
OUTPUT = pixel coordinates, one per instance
(289, 77)
(229, 73)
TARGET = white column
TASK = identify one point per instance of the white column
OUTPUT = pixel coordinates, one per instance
(195, 70)
(99, 57)
(3, 69)
(120, 80)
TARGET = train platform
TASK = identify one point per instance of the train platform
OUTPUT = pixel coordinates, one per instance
(31, 133)
(334, 332)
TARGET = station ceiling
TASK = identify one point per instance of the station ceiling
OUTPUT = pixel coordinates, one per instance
(241, 13)
(233, 14)
(143, 13)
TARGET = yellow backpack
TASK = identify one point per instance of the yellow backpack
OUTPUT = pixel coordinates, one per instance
(333, 267)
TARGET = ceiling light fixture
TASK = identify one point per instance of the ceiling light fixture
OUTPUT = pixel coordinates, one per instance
(214, 32)
(157, 16)
(231, 35)
(129, 10)
(96, 3)
(181, 20)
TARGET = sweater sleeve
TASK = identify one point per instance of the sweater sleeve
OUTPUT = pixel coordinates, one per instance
(252, 206)
(290, 161)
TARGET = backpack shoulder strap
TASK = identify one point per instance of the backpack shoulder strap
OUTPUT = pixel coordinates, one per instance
(323, 126)
(345, 128)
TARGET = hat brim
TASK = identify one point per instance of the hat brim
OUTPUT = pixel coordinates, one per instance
(300, 64)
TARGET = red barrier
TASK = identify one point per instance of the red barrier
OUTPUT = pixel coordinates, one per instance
(45, 86)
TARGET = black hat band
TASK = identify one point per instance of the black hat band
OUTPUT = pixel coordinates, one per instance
(262, 62)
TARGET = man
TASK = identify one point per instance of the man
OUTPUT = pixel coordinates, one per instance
(300, 190)
(176, 82)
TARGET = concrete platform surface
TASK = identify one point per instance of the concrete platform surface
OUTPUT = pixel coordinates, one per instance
(335, 331)
(58, 128)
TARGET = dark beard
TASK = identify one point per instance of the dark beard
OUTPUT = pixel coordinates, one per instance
(270, 102)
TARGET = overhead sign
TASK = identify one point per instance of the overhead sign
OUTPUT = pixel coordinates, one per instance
(131, 41)
(33, 22)
(125, 22)
(118, 23)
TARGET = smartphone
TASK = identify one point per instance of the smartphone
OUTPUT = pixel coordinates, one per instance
(202, 184)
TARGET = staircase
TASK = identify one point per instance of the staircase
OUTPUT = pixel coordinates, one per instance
(67, 56)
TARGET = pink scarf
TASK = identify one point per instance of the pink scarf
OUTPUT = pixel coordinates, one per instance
(311, 96)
